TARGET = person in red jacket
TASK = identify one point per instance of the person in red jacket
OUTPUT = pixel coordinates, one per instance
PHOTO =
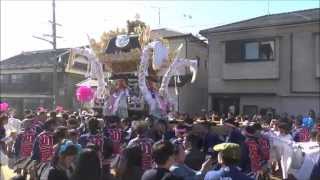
(254, 153)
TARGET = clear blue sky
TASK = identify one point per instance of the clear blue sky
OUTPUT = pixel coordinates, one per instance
(22, 19)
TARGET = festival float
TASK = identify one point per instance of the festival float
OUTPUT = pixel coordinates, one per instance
(138, 68)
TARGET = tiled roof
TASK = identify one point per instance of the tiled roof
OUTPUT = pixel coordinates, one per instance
(165, 32)
(172, 34)
(295, 17)
(32, 59)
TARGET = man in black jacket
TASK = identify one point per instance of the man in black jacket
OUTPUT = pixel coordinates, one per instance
(163, 156)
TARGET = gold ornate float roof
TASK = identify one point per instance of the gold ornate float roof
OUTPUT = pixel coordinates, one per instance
(125, 61)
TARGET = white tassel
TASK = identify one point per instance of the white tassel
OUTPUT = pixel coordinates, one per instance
(176, 86)
(177, 63)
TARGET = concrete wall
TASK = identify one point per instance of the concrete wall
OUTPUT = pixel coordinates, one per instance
(248, 75)
(192, 97)
(296, 87)
(304, 62)
(293, 105)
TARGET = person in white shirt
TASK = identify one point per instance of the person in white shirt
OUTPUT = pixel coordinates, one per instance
(14, 124)
(284, 149)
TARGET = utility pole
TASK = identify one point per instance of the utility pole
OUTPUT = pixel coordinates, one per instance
(53, 42)
(268, 7)
(54, 30)
(53, 35)
(159, 13)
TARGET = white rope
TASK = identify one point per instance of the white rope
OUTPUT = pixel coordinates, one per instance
(177, 63)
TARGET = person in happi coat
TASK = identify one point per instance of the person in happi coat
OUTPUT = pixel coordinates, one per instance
(44, 142)
(144, 142)
(114, 132)
(93, 137)
(43, 148)
(254, 153)
(23, 145)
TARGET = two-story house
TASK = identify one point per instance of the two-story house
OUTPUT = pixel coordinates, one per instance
(270, 61)
(192, 97)
(37, 78)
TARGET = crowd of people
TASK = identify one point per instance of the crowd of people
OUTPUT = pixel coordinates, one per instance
(62, 145)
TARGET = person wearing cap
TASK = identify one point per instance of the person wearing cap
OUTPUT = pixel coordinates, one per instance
(228, 158)
(254, 152)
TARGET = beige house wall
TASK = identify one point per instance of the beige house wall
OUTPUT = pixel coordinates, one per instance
(192, 97)
(293, 76)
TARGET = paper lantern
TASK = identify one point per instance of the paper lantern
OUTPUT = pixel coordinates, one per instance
(84, 94)
(4, 107)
